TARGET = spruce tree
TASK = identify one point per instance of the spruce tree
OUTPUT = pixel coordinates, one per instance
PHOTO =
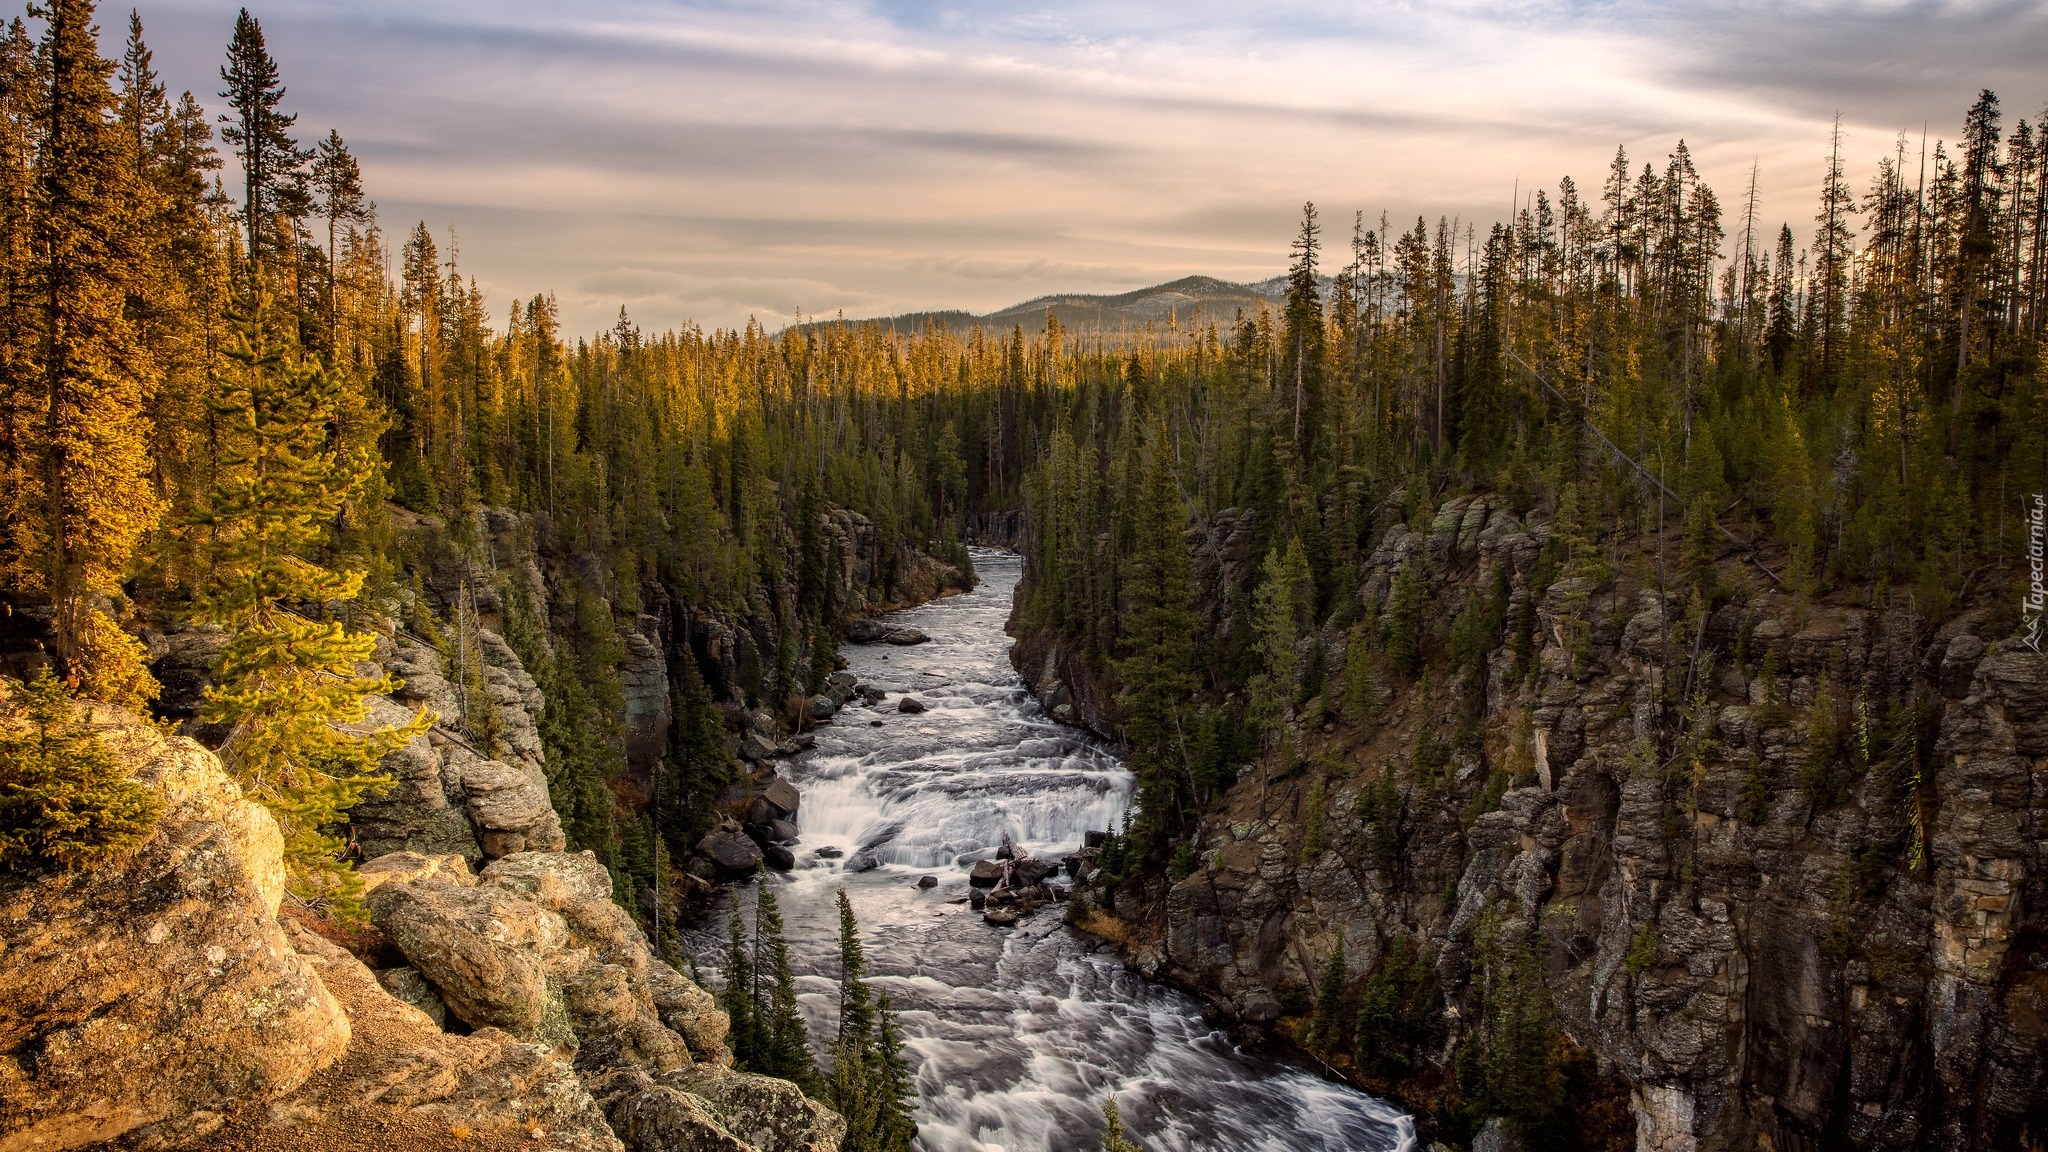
(698, 766)
(1113, 1138)
(339, 181)
(1404, 619)
(287, 683)
(272, 162)
(785, 1043)
(1157, 673)
(64, 799)
(1284, 604)
(81, 496)
(737, 997)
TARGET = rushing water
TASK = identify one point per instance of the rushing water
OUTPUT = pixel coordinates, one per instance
(1016, 1035)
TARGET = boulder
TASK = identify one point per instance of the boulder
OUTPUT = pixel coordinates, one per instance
(905, 637)
(731, 849)
(783, 795)
(871, 695)
(481, 948)
(863, 631)
(158, 991)
(797, 745)
(698, 1109)
(985, 874)
(910, 705)
(865, 860)
(823, 707)
(783, 832)
(1093, 838)
(829, 852)
(778, 857)
(756, 747)
(1001, 917)
(1030, 871)
(927, 881)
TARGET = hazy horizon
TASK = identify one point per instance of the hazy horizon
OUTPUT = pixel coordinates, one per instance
(710, 162)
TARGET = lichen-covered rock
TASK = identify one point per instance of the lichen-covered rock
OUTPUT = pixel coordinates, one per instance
(705, 1109)
(158, 991)
(483, 948)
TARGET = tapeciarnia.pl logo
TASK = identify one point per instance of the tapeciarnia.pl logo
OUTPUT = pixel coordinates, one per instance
(2035, 603)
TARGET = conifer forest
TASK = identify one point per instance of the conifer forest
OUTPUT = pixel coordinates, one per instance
(1571, 681)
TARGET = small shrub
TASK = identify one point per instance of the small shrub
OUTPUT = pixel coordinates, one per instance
(64, 801)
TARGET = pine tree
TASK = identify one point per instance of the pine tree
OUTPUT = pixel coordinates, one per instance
(785, 1044)
(1326, 1023)
(744, 1035)
(893, 1126)
(339, 182)
(870, 1082)
(82, 498)
(1113, 1138)
(64, 800)
(698, 765)
(1157, 674)
(287, 685)
(1404, 619)
(272, 162)
(1283, 604)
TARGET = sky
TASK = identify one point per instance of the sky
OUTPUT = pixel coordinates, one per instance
(704, 161)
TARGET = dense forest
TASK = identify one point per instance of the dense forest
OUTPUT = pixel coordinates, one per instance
(217, 404)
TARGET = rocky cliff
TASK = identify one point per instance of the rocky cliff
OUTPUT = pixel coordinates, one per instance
(162, 1002)
(1774, 873)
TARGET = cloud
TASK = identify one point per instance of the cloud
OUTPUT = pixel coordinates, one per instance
(705, 160)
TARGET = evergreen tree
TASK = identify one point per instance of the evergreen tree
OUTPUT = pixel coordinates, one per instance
(1284, 604)
(287, 685)
(64, 799)
(1113, 1138)
(1404, 619)
(699, 764)
(339, 182)
(1326, 1023)
(1157, 673)
(744, 1034)
(81, 497)
(870, 1082)
(785, 1044)
(273, 176)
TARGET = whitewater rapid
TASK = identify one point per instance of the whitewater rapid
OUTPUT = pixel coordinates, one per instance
(1016, 1035)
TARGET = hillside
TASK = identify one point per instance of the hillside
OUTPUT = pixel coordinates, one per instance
(1186, 302)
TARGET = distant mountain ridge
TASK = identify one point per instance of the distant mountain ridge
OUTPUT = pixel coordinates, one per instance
(1186, 301)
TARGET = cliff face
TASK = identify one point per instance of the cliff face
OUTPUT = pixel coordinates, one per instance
(1782, 915)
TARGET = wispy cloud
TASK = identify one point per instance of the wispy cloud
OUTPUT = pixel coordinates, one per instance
(692, 159)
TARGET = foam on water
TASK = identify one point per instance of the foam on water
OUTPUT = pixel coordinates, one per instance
(1016, 1036)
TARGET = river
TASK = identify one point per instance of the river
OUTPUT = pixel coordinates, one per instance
(1016, 1034)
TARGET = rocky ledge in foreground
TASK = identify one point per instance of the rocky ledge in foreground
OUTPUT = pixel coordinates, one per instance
(160, 1002)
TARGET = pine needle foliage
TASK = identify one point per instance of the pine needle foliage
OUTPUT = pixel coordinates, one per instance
(64, 800)
(287, 682)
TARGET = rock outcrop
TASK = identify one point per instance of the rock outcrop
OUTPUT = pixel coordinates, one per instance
(1778, 917)
(161, 1001)
(158, 993)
